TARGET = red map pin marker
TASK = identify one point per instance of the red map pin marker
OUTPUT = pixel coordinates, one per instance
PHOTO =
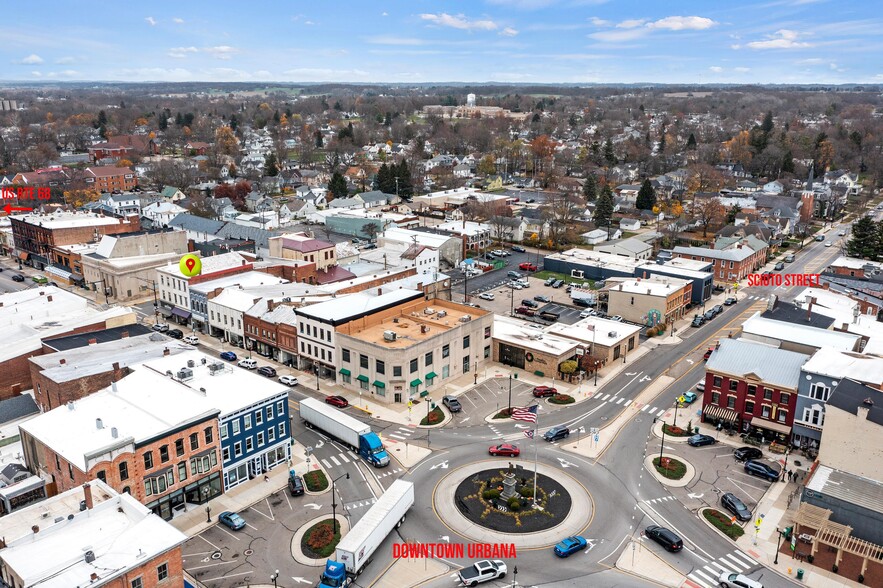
(190, 265)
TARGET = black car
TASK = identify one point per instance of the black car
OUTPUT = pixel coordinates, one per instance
(556, 433)
(761, 470)
(550, 281)
(698, 321)
(295, 485)
(266, 370)
(736, 506)
(710, 314)
(18, 278)
(665, 537)
(452, 403)
(518, 249)
(746, 453)
(529, 303)
(700, 440)
(717, 308)
(558, 283)
(584, 302)
(729, 301)
(719, 288)
(541, 298)
(175, 333)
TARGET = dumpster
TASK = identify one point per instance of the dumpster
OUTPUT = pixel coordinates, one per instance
(799, 574)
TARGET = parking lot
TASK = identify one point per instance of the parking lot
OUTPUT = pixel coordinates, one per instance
(503, 302)
(491, 396)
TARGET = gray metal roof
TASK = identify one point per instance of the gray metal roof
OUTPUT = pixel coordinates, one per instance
(16, 407)
(774, 367)
(196, 224)
(848, 488)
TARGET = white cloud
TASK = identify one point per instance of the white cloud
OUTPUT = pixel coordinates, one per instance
(716, 68)
(393, 40)
(384, 14)
(781, 39)
(618, 36)
(32, 59)
(68, 73)
(36, 74)
(151, 21)
(150, 74)
(459, 21)
(178, 20)
(181, 52)
(631, 24)
(309, 23)
(599, 22)
(811, 61)
(742, 69)
(508, 32)
(308, 74)
(64, 60)
(683, 23)
(221, 51)
(523, 4)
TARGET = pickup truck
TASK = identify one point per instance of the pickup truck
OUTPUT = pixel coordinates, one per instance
(482, 571)
(527, 267)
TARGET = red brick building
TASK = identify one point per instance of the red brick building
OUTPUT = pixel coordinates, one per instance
(51, 177)
(752, 387)
(124, 146)
(731, 264)
(111, 179)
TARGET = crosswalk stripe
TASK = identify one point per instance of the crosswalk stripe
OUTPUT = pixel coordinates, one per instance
(738, 561)
(652, 409)
(646, 406)
(746, 558)
(661, 412)
(344, 457)
(705, 579)
(334, 459)
(326, 464)
(729, 567)
(353, 455)
(722, 568)
(620, 401)
(606, 396)
(396, 436)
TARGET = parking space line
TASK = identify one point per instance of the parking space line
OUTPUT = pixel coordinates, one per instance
(209, 542)
(220, 528)
(225, 576)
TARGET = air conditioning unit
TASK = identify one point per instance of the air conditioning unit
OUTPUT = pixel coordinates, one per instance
(185, 374)
(442, 314)
(428, 311)
(190, 363)
(465, 318)
(215, 367)
(389, 335)
(612, 334)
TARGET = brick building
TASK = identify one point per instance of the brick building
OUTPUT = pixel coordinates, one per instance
(36, 235)
(124, 146)
(173, 287)
(301, 247)
(111, 179)
(733, 263)
(90, 536)
(658, 300)
(752, 387)
(50, 177)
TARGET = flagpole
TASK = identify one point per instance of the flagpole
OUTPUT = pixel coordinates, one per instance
(536, 426)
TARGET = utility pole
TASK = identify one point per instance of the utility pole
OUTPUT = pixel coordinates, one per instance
(155, 301)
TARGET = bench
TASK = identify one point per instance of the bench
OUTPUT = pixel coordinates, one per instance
(800, 555)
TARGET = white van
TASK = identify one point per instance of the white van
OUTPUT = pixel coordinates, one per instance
(248, 364)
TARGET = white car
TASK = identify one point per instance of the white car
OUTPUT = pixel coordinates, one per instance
(248, 364)
(499, 252)
(486, 296)
(161, 327)
(516, 285)
(731, 580)
(828, 244)
(288, 380)
(191, 339)
(586, 313)
(616, 318)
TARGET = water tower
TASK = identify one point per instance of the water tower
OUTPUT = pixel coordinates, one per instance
(470, 100)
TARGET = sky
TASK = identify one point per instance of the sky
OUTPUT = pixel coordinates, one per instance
(514, 41)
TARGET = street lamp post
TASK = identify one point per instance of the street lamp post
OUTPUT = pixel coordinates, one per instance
(515, 576)
(208, 513)
(778, 545)
(273, 577)
(316, 367)
(675, 423)
(334, 500)
(510, 395)
(661, 443)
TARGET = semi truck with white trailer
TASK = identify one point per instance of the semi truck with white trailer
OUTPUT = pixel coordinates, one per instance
(347, 429)
(356, 547)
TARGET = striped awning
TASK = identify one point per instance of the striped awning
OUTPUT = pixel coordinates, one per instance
(719, 412)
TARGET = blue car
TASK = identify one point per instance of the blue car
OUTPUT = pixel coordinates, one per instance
(570, 546)
(231, 519)
(688, 398)
(228, 355)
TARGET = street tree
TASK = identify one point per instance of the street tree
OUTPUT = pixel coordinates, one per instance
(590, 188)
(708, 212)
(865, 242)
(646, 199)
(603, 207)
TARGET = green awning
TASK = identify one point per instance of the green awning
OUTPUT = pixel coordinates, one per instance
(345, 372)
(362, 378)
(431, 376)
(415, 383)
(424, 393)
(379, 384)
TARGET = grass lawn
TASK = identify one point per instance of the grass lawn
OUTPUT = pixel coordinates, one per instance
(321, 539)
(434, 417)
(546, 274)
(671, 468)
(503, 414)
(722, 523)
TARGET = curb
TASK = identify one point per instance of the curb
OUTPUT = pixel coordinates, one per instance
(299, 555)
(718, 531)
(327, 478)
(688, 476)
(448, 418)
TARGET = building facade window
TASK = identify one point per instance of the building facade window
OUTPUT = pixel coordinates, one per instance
(209, 435)
(182, 471)
(396, 371)
(446, 351)
(428, 359)
(731, 402)
(466, 342)
(137, 583)
(716, 381)
(164, 454)
(179, 444)
(752, 389)
(818, 391)
(124, 470)
(734, 385)
(380, 367)
(235, 426)
(363, 361)
(749, 407)
(715, 397)
(767, 394)
(194, 441)
(237, 449)
(162, 572)
(148, 460)
(784, 398)
(247, 420)
(414, 365)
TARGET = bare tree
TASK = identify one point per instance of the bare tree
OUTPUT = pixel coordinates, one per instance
(709, 212)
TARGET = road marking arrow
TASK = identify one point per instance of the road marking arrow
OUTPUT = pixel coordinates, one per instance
(645, 379)
(443, 465)
(300, 580)
(690, 361)
(700, 495)
(464, 420)
(521, 427)
(319, 444)
(631, 373)
(566, 464)
(312, 505)
(445, 538)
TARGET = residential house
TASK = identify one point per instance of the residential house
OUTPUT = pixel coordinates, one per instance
(507, 228)
(302, 247)
(596, 236)
(630, 224)
(161, 213)
(122, 204)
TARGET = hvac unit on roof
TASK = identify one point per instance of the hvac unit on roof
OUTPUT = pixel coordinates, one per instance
(442, 314)
(185, 374)
(612, 334)
(465, 318)
(428, 311)
(389, 335)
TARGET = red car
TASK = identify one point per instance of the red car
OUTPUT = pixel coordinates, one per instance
(525, 311)
(528, 267)
(543, 391)
(707, 354)
(506, 449)
(338, 401)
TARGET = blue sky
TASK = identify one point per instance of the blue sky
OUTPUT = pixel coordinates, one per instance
(523, 41)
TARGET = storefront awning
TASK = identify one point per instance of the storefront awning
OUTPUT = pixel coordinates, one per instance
(23, 256)
(60, 272)
(345, 372)
(379, 384)
(165, 312)
(719, 412)
(184, 314)
(415, 383)
(431, 376)
(362, 378)
(771, 426)
(424, 393)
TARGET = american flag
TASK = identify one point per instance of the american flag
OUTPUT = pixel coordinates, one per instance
(528, 414)
(528, 434)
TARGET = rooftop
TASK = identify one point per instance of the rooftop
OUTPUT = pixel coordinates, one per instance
(214, 263)
(854, 263)
(758, 326)
(148, 402)
(343, 309)
(17, 407)
(531, 336)
(772, 366)
(737, 254)
(655, 286)
(840, 364)
(303, 243)
(235, 299)
(598, 259)
(243, 280)
(632, 245)
(595, 330)
(103, 336)
(68, 220)
(793, 313)
(460, 228)
(434, 240)
(850, 396)
(416, 322)
(847, 487)
(121, 532)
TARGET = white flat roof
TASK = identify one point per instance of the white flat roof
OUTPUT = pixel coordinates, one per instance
(530, 336)
(340, 308)
(655, 286)
(841, 364)
(470, 228)
(599, 259)
(244, 280)
(210, 264)
(235, 299)
(407, 236)
(801, 334)
(606, 332)
(121, 532)
(854, 263)
(148, 402)
(66, 220)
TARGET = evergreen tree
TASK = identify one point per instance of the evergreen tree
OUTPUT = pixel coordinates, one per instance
(662, 139)
(731, 214)
(163, 122)
(788, 162)
(382, 180)
(270, 167)
(609, 154)
(337, 186)
(590, 188)
(337, 106)
(102, 118)
(234, 122)
(319, 141)
(406, 189)
(179, 120)
(691, 142)
(865, 242)
(604, 207)
(767, 125)
(646, 196)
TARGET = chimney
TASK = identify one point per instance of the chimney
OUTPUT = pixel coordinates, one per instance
(125, 335)
(116, 366)
(49, 298)
(379, 291)
(809, 308)
(62, 361)
(271, 305)
(99, 424)
(35, 529)
(93, 341)
(165, 351)
(87, 490)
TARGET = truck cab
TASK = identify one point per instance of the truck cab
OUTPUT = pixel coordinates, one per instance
(372, 449)
(334, 576)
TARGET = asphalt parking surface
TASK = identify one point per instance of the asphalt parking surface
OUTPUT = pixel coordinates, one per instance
(491, 396)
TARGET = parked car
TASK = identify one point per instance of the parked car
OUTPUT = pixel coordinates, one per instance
(175, 333)
(290, 381)
(586, 313)
(486, 296)
(700, 386)
(730, 502)
(746, 453)
(228, 355)
(338, 401)
(452, 403)
(707, 354)
(616, 318)
(516, 285)
(570, 546)
(558, 283)
(698, 321)
(295, 485)
(709, 314)
(541, 298)
(841, 234)
(18, 278)
(761, 470)
(779, 266)
(529, 303)
(500, 252)
(544, 391)
(249, 364)
(689, 397)
(506, 449)
(53, 284)
(584, 302)
(519, 249)
(513, 274)
(525, 311)
(191, 340)
(161, 327)
(820, 238)
(664, 537)
(231, 519)
(789, 258)
(528, 267)
(267, 371)
(717, 308)
(729, 301)
(700, 440)
(489, 256)
(728, 579)
(39, 279)
(556, 433)
(550, 281)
